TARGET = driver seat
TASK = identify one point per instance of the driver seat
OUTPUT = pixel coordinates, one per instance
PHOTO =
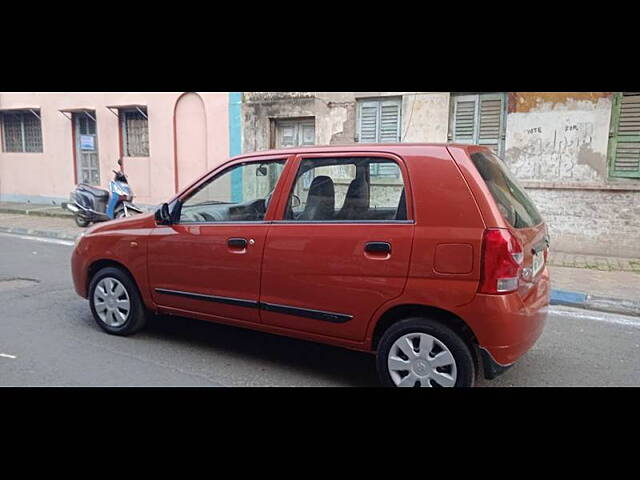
(321, 200)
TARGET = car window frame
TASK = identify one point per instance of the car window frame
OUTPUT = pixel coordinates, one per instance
(221, 170)
(294, 167)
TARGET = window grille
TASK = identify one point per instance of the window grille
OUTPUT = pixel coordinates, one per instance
(135, 133)
(21, 132)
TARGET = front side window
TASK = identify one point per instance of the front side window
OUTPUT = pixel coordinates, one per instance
(240, 193)
(134, 125)
(345, 189)
(21, 132)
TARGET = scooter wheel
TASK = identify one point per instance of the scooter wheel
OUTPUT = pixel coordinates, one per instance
(81, 221)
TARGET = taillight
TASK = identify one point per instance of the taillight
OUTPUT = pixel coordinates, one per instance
(501, 261)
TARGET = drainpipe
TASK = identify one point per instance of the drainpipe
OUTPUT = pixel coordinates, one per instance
(235, 142)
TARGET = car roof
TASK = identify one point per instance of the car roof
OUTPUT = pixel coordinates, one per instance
(397, 148)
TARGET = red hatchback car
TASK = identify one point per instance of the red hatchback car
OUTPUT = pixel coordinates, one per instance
(431, 256)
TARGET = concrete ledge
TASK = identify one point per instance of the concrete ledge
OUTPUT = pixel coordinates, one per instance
(595, 302)
(38, 233)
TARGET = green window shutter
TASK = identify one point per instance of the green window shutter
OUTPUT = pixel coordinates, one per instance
(368, 122)
(480, 119)
(491, 122)
(389, 132)
(624, 141)
(389, 121)
(379, 121)
(465, 115)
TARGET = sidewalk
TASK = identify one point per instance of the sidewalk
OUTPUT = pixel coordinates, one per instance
(608, 284)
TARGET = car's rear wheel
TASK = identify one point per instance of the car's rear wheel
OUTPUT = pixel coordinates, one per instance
(115, 302)
(420, 352)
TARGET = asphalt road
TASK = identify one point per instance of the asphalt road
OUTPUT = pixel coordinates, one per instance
(49, 338)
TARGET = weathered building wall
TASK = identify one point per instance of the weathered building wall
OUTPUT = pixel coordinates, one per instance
(598, 222)
(424, 118)
(556, 144)
(424, 115)
(559, 137)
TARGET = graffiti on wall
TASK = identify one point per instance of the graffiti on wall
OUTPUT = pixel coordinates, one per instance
(558, 145)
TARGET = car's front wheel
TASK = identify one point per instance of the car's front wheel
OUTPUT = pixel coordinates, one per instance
(420, 352)
(115, 302)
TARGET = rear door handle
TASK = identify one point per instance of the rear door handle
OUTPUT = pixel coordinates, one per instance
(377, 247)
(237, 243)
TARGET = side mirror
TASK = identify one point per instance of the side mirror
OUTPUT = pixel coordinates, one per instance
(262, 171)
(163, 216)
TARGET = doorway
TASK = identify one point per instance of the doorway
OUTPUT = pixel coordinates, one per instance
(86, 142)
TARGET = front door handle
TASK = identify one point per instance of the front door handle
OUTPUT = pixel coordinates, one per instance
(237, 243)
(377, 247)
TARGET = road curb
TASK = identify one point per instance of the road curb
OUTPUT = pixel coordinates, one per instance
(39, 213)
(595, 302)
(39, 233)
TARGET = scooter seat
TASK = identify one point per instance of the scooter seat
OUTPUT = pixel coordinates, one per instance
(97, 192)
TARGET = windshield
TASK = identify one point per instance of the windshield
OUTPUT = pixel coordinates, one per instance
(516, 206)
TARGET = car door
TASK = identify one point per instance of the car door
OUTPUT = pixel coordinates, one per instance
(330, 263)
(209, 260)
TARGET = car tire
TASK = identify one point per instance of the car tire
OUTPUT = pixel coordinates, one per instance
(81, 221)
(440, 358)
(115, 302)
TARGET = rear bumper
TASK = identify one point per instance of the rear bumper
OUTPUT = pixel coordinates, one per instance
(490, 367)
(507, 326)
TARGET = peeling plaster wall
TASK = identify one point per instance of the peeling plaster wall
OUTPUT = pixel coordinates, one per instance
(424, 115)
(559, 137)
(556, 143)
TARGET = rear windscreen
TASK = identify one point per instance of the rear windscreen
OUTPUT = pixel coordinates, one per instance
(514, 203)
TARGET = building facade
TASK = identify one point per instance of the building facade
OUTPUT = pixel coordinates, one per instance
(51, 141)
(577, 153)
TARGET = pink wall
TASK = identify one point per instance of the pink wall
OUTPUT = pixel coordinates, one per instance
(50, 174)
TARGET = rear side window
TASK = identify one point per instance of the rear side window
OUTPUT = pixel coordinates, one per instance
(347, 189)
(516, 206)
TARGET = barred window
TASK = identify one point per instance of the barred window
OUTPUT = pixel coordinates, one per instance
(135, 133)
(21, 132)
